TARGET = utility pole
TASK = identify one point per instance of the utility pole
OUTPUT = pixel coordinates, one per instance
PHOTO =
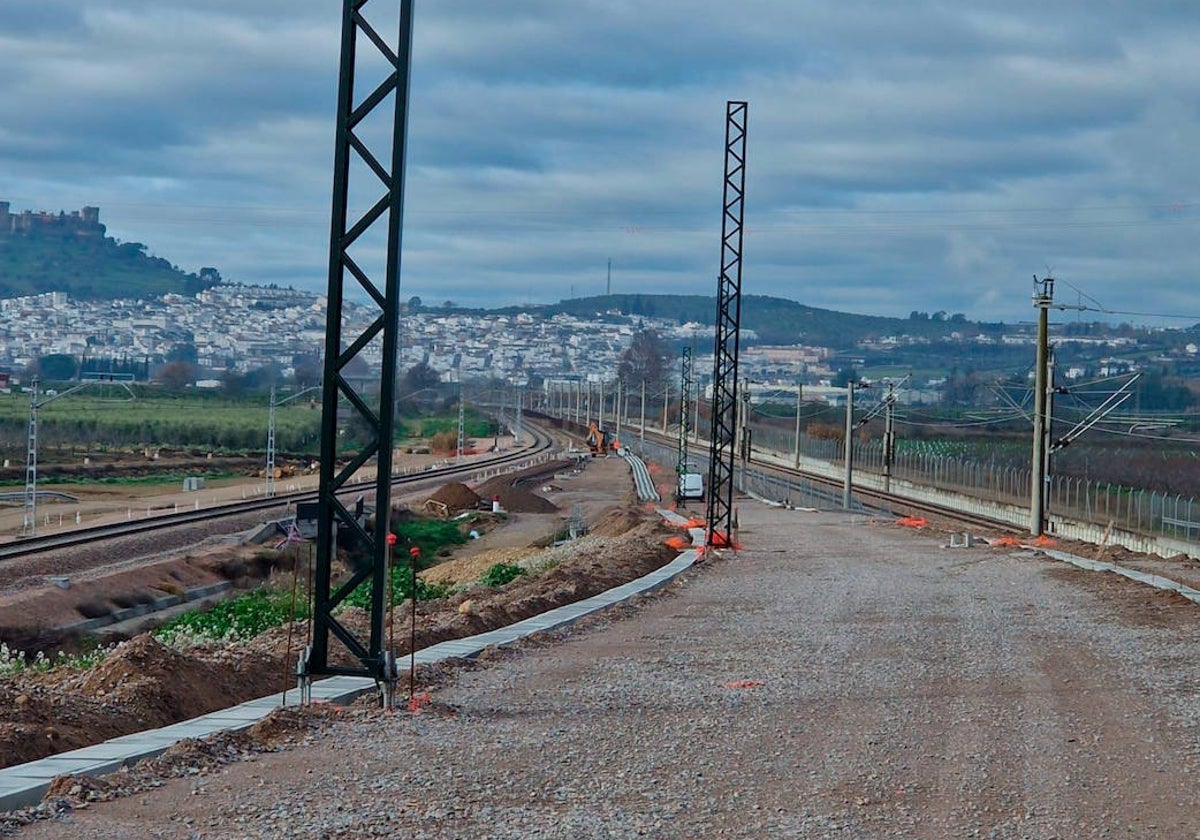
(889, 437)
(847, 484)
(666, 405)
(269, 485)
(617, 414)
(642, 433)
(29, 520)
(608, 282)
(1043, 299)
(685, 395)
(520, 408)
(458, 455)
(600, 420)
(796, 445)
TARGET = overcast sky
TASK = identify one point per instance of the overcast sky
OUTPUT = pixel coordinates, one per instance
(902, 156)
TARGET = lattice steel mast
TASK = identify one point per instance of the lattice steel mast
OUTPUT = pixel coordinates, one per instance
(373, 175)
(685, 415)
(722, 449)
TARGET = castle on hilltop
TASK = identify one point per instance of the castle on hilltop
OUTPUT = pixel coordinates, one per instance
(85, 222)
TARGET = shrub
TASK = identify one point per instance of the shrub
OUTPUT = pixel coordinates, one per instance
(501, 574)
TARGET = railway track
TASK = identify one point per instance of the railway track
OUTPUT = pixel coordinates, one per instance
(37, 545)
(873, 499)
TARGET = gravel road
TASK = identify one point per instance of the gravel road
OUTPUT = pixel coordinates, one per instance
(840, 678)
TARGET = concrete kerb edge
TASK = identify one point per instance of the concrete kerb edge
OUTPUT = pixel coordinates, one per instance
(1157, 581)
(24, 785)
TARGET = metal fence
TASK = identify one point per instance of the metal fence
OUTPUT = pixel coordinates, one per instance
(1132, 509)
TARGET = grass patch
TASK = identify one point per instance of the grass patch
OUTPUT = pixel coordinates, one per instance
(501, 574)
(243, 617)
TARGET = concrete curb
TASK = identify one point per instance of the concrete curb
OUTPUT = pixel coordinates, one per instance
(24, 785)
(1157, 581)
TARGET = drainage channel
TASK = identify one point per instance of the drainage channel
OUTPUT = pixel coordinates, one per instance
(24, 785)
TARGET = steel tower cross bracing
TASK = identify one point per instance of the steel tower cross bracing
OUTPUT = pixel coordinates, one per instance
(722, 447)
(685, 413)
(369, 157)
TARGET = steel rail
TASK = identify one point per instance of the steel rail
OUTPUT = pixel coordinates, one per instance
(79, 536)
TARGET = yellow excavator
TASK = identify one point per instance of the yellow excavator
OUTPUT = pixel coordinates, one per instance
(597, 440)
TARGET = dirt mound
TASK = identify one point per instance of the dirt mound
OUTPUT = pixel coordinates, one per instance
(456, 497)
(622, 521)
(158, 685)
(143, 684)
(470, 569)
(514, 499)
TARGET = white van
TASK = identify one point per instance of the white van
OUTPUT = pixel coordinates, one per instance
(691, 486)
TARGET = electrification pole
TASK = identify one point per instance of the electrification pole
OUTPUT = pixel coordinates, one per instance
(722, 449)
(796, 445)
(364, 254)
(269, 484)
(1043, 299)
(685, 395)
(889, 438)
(642, 433)
(458, 453)
(848, 482)
(29, 520)
(520, 416)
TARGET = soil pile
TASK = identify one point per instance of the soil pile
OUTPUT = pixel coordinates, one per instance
(464, 570)
(514, 499)
(456, 497)
(143, 684)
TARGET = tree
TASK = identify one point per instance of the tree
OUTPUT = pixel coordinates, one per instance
(644, 360)
(177, 375)
(844, 377)
(184, 351)
(57, 367)
(419, 377)
(308, 371)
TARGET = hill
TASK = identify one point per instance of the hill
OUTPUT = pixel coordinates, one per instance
(773, 320)
(48, 252)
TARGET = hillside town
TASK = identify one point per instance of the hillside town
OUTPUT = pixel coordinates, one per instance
(231, 329)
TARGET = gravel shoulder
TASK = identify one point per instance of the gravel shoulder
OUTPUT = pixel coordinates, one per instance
(838, 678)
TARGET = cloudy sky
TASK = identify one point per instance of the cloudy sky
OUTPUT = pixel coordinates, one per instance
(902, 156)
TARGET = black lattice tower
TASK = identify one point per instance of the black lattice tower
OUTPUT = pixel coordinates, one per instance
(685, 413)
(722, 449)
(364, 254)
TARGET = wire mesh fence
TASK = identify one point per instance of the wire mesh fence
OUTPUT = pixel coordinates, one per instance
(995, 479)
(1107, 505)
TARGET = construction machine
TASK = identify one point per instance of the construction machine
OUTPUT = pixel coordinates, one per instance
(597, 440)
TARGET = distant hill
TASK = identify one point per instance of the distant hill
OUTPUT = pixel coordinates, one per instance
(774, 320)
(48, 252)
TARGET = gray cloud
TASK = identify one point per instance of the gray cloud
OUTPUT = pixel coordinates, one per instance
(926, 155)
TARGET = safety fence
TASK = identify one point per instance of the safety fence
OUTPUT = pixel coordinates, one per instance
(1111, 506)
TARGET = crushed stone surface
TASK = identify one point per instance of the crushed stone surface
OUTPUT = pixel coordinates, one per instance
(839, 678)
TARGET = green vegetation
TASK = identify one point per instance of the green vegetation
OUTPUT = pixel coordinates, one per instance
(155, 419)
(236, 618)
(430, 537)
(13, 662)
(501, 574)
(88, 264)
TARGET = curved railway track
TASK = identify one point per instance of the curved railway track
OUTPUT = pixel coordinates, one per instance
(37, 545)
(870, 498)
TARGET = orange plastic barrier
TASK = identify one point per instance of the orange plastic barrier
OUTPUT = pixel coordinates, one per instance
(1006, 542)
(677, 543)
(1042, 541)
(912, 522)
